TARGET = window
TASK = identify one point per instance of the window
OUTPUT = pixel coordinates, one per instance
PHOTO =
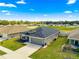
(72, 42)
(0, 36)
(76, 42)
(23, 38)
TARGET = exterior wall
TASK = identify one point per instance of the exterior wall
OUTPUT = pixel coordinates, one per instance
(34, 40)
(25, 38)
(42, 41)
(62, 33)
(4, 37)
(21, 35)
(50, 38)
(37, 41)
(15, 35)
(72, 41)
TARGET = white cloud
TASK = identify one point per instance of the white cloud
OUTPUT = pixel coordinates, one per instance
(68, 12)
(32, 9)
(21, 2)
(71, 1)
(4, 11)
(8, 13)
(7, 5)
(45, 15)
(76, 10)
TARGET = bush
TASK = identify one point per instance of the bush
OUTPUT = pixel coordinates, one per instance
(76, 50)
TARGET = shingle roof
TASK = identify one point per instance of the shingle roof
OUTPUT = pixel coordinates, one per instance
(42, 32)
(13, 29)
(74, 34)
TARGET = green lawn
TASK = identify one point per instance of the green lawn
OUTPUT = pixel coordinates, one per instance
(53, 51)
(63, 28)
(2, 53)
(12, 44)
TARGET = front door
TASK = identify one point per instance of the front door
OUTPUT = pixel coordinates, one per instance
(27, 39)
(76, 43)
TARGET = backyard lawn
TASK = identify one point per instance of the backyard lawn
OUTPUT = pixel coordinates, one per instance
(63, 28)
(53, 51)
(2, 53)
(12, 44)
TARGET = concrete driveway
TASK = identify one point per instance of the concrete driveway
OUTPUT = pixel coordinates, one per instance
(22, 53)
(28, 50)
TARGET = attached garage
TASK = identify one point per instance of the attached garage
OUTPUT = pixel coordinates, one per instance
(37, 41)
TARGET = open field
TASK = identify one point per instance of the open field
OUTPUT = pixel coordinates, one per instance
(12, 44)
(63, 28)
(53, 51)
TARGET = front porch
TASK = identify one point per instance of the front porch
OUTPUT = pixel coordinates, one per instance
(33, 40)
(25, 39)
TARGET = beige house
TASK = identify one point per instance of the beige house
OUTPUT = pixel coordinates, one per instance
(11, 31)
(74, 38)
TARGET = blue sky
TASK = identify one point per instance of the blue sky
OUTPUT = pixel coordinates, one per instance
(39, 10)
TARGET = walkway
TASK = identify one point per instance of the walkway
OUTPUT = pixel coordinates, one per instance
(5, 49)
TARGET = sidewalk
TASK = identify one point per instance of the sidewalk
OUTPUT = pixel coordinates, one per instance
(5, 49)
(22, 53)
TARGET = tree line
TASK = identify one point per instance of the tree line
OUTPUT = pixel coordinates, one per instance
(63, 22)
(6, 22)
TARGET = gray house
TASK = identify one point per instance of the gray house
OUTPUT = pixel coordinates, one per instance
(74, 38)
(40, 36)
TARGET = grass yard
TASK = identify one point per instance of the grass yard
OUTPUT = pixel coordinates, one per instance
(53, 51)
(63, 28)
(2, 53)
(12, 44)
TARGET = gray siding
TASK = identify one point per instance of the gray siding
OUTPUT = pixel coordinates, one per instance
(50, 38)
(62, 33)
(37, 41)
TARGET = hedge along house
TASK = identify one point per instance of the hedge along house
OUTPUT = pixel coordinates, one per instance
(73, 38)
(40, 36)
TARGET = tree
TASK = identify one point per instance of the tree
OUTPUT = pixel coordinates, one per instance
(12, 22)
(20, 22)
(4, 22)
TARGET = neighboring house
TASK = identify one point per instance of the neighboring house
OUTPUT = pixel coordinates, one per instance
(11, 31)
(40, 36)
(74, 38)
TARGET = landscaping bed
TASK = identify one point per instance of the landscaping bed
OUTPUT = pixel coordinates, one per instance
(12, 44)
(2, 53)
